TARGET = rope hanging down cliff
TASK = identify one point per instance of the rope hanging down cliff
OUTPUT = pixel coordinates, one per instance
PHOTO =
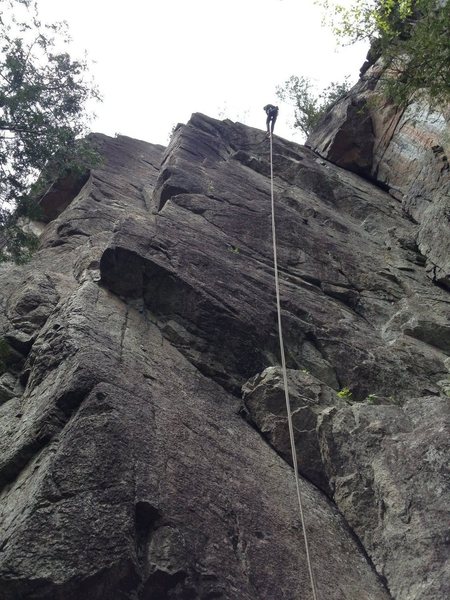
(285, 383)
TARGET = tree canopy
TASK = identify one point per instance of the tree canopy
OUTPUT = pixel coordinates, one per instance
(43, 112)
(413, 37)
(309, 105)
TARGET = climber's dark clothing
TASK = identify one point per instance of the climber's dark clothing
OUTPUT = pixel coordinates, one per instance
(272, 114)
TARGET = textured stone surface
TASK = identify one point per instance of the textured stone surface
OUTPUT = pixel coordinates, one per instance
(405, 150)
(389, 469)
(384, 465)
(127, 470)
(151, 485)
(265, 405)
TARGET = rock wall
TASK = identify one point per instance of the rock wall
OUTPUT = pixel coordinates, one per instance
(132, 467)
(406, 150)
(384, 465)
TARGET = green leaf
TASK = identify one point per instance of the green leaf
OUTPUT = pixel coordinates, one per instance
(43, 115)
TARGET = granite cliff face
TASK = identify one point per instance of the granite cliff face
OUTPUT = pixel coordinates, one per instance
(406, 150)
(144, 443)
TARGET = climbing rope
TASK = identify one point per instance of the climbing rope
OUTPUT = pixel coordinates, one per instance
(285, 382)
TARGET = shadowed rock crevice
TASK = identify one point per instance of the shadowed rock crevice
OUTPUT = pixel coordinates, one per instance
(61, 194)
(146, 519)
(167, 586)
(116, 582)
(11, 468)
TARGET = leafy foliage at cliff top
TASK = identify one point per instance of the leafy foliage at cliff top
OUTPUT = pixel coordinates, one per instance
(413, 36)
(43, 115)
(309, 105)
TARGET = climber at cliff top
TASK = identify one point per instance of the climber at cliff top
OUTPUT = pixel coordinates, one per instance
(272, 114)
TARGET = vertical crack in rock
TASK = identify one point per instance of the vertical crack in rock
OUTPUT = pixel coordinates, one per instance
(146, 518)
(123, 333)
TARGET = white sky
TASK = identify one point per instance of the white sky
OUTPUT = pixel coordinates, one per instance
(158, 61)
